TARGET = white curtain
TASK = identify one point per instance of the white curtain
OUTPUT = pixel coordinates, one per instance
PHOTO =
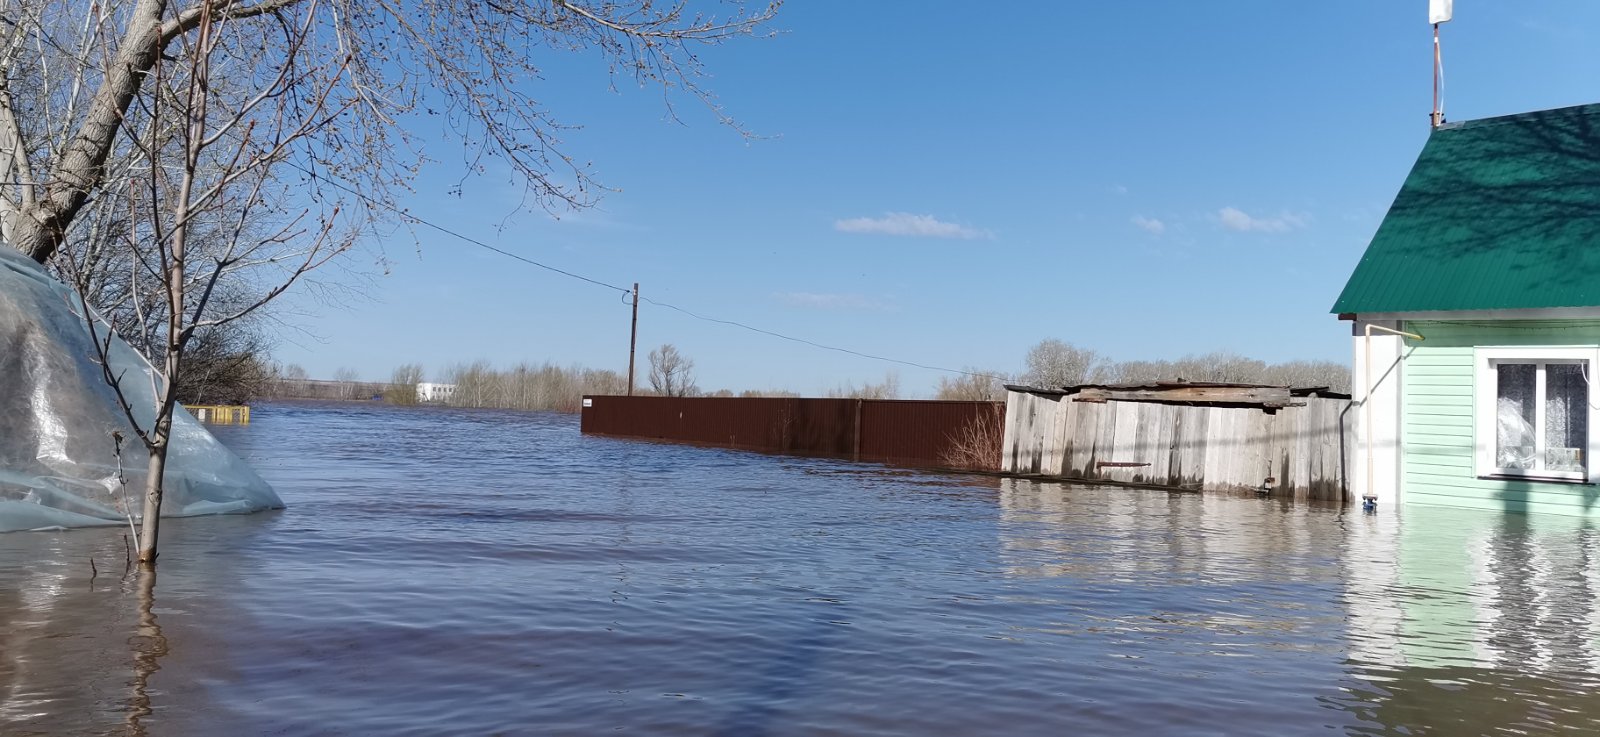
(1566, 417)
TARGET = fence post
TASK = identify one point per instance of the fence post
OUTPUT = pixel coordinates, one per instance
(856, 452)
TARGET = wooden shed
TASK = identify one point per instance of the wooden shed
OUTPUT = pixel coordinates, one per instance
(1184, 435)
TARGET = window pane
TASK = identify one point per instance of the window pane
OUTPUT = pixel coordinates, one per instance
(1566, 417)
(1514, 446)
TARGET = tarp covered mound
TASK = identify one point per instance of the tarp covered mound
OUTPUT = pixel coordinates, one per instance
(58, 465)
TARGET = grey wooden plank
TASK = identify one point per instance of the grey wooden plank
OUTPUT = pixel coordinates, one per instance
(1104, 442)
(1008, 443)
(1125, 441)
(1160, 438)
(1056, 461)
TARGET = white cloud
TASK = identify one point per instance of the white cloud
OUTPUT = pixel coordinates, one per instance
(1119, 188)
(907, 224)
(827, 301)
(1233, 218)
(1150, 225)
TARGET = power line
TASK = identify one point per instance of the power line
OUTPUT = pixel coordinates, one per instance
(813, 344)
(369, 199)
(732, 323)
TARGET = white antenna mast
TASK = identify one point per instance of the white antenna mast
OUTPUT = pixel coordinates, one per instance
(1439, 11)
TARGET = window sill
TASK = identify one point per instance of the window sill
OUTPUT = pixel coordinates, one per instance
(1535, 479)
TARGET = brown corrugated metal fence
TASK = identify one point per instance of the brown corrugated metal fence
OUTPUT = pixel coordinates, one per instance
(902, 432)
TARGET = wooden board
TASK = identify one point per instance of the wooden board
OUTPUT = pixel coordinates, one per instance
(1304, 447)
(1271, 397)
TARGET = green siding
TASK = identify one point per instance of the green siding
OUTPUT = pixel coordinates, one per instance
(1502, 213)
(1437, 465)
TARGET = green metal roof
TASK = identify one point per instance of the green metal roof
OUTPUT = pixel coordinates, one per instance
(1500, 213)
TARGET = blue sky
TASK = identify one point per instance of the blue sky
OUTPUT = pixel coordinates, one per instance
(947, 184)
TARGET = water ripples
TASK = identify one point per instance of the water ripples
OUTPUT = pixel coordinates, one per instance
(448, 572)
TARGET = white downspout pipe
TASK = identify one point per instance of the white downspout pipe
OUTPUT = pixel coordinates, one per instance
(1369, 500)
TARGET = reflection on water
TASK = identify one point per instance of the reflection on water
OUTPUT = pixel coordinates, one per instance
(1475, 623)
(148, 647)
(444, 572)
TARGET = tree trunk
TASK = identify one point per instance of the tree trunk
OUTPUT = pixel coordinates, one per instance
(161, 439)
(150, 526)
(42, 226)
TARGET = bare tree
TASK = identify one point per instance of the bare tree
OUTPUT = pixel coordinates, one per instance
(209, 171)
(978, 444)
(77, 70)
(976, 385)
(229, 148)
(603, 381)
(671, 374)
(223, 367)
(348, 379)
(1335, 376)
(889, 388)
(225, 364)
(284, 381)
(1222, 366)
(1136, 372)
(1227, 367)
(527, 386)
(477, 385)
(1054, 363)
(770, 393)
(403, 384)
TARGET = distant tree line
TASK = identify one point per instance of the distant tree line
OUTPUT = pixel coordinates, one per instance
(550, 387)
(292, 382)
(889, 388)
(527, 386)
(1056, 363)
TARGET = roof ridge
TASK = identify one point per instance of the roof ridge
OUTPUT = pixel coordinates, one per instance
(1590, 108)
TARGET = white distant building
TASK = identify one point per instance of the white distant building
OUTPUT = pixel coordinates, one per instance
(428, 391)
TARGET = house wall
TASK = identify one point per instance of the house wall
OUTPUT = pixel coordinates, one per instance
(434, 392)
(1381, 353)
(1438, 464)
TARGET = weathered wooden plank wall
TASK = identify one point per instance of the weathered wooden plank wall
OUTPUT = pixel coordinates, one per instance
(1304, 449)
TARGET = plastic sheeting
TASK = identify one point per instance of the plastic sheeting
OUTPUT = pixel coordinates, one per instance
(57, 414)
(1514, 446)
(1515, 441)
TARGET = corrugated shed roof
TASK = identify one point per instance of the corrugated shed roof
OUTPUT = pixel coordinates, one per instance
(1500, 213)
(1197, 392)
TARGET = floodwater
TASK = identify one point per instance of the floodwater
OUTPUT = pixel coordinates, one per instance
(471, 573)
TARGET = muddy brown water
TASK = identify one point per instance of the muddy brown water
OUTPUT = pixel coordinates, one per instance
(446, 572)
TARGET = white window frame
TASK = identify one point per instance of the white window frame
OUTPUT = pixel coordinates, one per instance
(1485, 398)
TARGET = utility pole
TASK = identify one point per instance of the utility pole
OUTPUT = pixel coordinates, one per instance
(633, 337)
(1437, 117)
(1439, 11)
